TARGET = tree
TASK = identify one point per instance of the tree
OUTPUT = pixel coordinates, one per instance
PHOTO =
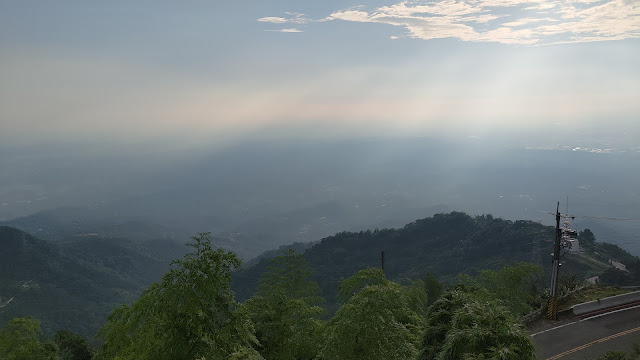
(352, 285)
(462, 325)
(515, 286)
(439, 320)
(586, 237)
(290, 275)
(72, 346)
(376, 322)
(432, 287)
(20, 339)
(245, 353)
(190, 314)
(285, 310)
(486, 330)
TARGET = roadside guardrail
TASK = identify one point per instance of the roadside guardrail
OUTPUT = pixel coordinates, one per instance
(604, 303)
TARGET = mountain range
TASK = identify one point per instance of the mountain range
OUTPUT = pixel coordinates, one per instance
(73, 281)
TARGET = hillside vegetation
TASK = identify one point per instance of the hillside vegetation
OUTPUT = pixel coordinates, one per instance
(70, 287)
(445, 245)
(75, 282)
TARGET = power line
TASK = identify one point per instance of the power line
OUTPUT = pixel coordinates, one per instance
(620, 237)
(589, 217)
(576, 225)
(607, 218)
(616, 205)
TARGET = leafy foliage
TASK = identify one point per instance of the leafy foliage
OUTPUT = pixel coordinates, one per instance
(432, 288)
(20, 339)
(72, 346)
(486, 330)
(245, 353)
(445, 244)
(439, 321)
(352, 285)
(515, 286)
(285, 310)
(586, 238)
(377, 322)
(191, 313)
(461, 325)
(72, 286)
(290, 275)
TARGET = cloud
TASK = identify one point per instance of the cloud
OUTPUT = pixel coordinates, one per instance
(541, 7)
(291, 30)
(273, 19)
(527, 21)
(524, 22)
(291, 18)
(351, 15)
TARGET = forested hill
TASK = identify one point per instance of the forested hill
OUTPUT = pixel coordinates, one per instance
(73, 286)
(445, 244)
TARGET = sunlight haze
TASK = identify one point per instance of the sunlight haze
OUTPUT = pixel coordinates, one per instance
(126, 71)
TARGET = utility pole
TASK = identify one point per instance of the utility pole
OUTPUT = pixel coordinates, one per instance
(382, 260)
(552, 307)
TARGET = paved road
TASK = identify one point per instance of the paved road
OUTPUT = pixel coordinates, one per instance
(589, 337)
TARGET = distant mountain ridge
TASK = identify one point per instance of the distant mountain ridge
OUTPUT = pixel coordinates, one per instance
(75, 282)
(73, 286)
(253, 185)
(248, 239)
(61, 223)
(445, 244)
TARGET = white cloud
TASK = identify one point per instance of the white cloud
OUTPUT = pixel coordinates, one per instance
(291, 30)
(524, 22)
(541, 6)
(350, 15)
(527, 21)
(507, 35)
(273, 19)
(291, 18)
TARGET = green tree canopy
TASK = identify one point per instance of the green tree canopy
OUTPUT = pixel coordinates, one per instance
(290, 275)
(190, 314)
(586, 237)
(285, 310)
(515, 286)
(20, 339)
(72, 346)
(352, 285)
(486, 330)
(245, 353)
(462, 324)
(432, 287)
(376, 322)
(439, 320)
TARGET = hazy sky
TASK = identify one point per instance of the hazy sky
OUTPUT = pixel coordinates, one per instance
(203, 69)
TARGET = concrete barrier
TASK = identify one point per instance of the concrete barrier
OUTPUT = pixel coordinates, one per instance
(607, 302)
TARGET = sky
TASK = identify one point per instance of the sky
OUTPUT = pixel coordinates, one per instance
(203, 70)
